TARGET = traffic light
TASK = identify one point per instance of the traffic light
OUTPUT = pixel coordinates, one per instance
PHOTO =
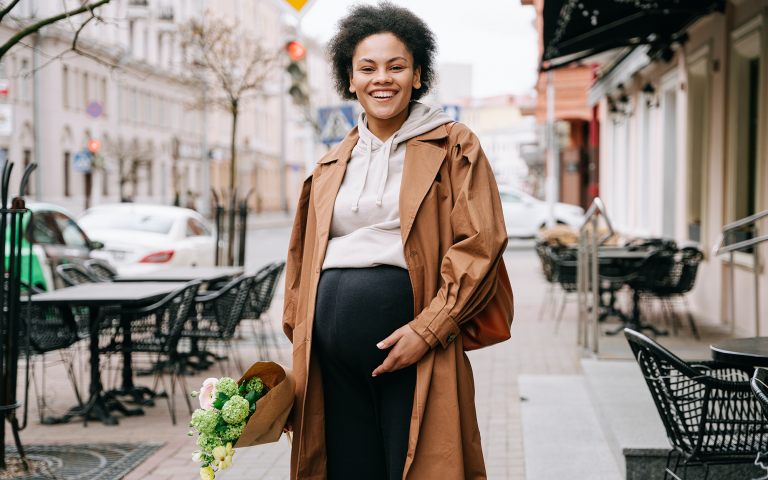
(297, 67)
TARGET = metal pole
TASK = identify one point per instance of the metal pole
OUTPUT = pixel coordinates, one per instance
(757, 284)
(731, 302)
(595, 286)
(38, 118)
(580, 277)
(552, 186)
(283, 123)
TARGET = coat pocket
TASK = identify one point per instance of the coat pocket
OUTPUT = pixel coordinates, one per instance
(300, 335)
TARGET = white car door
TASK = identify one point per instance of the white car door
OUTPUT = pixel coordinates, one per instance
(515, 212)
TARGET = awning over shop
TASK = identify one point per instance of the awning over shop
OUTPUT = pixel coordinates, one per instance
(576, 29)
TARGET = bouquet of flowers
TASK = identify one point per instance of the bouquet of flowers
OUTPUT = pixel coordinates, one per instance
(243, 413)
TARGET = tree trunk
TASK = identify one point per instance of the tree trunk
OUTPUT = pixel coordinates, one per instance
(232, 161)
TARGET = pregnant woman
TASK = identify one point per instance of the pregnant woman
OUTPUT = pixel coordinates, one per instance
(397, 241)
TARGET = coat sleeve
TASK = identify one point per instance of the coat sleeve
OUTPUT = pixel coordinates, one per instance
(469, 268)
(294, 261)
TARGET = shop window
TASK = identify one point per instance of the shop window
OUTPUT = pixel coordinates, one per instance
(65, 86)
(67, 193)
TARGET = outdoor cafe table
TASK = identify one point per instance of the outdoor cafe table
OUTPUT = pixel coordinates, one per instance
(749, 352)
(94, 296)
(626, 262)
(182, 274)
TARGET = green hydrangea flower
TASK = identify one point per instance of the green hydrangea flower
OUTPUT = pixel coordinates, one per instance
(254, 385)
(208, 442)
(233, 432)
(235, 410)
(205, 420)
(227, 386)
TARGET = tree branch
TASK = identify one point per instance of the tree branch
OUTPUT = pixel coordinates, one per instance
(42, 23)
(7, 9)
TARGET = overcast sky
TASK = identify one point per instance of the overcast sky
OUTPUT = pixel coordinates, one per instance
(496, 36)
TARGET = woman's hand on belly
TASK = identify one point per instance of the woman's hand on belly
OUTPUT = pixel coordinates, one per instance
(407, 348)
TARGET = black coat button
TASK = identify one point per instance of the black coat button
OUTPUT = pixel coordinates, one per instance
(451, 337)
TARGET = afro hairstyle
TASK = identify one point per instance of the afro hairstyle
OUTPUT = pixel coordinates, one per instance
(361, 22)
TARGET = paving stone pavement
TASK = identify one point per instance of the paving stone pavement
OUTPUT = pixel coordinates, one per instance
(533, 349)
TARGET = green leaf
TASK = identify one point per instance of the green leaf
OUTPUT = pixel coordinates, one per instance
(251, 397)
(253, 407)
(221, 428)
(242, 387)
(221, 399)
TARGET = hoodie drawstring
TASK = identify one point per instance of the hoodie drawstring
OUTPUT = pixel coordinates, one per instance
(385, 150)
(368, 148)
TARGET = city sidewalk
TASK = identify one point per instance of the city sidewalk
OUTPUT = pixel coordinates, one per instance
(534, 349)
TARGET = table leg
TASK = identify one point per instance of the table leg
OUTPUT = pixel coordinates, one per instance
(635, 322)
(140, 394)
(99, 404)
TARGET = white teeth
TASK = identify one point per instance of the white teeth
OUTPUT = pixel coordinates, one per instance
(383, 94)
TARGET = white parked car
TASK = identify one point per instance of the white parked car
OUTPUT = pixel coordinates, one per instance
(524, 215)
(138, 238)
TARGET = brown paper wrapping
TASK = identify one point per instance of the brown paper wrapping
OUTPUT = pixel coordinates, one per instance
(272, 410)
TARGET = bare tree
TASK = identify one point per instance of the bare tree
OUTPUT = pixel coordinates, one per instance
(85, 6)
(229, 67)
(129, 160)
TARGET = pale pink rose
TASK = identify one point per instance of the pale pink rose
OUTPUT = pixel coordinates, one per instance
(208, 393)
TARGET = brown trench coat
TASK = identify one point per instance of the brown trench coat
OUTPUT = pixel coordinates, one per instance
(453, 241)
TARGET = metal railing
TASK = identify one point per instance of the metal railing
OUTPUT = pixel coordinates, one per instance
(754, 242)
(587, 274)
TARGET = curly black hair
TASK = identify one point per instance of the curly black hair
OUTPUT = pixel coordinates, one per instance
(361, 22)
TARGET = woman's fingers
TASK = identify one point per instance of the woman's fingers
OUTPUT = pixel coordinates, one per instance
(392, 339)
(388, 365)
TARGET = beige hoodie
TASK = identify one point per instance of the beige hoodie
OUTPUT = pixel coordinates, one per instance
(365, 228)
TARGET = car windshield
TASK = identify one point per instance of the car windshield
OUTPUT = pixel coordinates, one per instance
(140, 222)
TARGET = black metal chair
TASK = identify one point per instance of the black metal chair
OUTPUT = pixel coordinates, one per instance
(215, 317)
(50, 330)
(565, 265)
(154, 330)
(708, 410)
(101, 270)
(759, 384)
(258, 303)
(681, 279)
(74, 274)
(550, 298)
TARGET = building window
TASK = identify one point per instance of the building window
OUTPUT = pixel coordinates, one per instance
(145, 40)
(86, 93)
(104, 94)
(66, 174)
(148, 109)
(120, 108)
(698, 115)
(745, 120)
(24, 81)
(65, 86)
(161, 111)
(104, 182)
(134, 106)
(149, 178)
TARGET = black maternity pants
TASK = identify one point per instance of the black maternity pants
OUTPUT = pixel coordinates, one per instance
(367, 419)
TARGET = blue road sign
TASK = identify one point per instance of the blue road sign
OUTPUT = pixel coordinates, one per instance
(94, 108)
(336, 122)
(453, 111)
(82, 162)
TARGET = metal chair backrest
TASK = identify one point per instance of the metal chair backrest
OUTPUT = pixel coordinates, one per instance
(565, 266)
(546, 262)
(225, 306)
(759, 384)
(74, 274)
(706, 407)
(50, 330)
(262, 289)
(689, 265)
(654, 272)
(101, 270)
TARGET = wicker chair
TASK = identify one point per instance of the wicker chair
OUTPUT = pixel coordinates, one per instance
(215, 317)
(259, 300)
(550, 298)
(154, 330)
(101, 270)
(707, 408)
(681, 279)
(759, 384)
(74, 274)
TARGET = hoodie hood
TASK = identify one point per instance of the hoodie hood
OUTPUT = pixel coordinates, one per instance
(421, 120)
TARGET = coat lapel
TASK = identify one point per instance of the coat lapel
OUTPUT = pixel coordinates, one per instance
(422, 162)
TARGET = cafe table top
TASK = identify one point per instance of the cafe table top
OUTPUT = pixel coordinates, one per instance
(182, 274)
(750, 352)
(108, 293)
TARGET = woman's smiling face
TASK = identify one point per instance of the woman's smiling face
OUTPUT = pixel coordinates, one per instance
(383, 76)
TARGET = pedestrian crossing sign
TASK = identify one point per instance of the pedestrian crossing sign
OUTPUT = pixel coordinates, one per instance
(335, 123)
(82, 162)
